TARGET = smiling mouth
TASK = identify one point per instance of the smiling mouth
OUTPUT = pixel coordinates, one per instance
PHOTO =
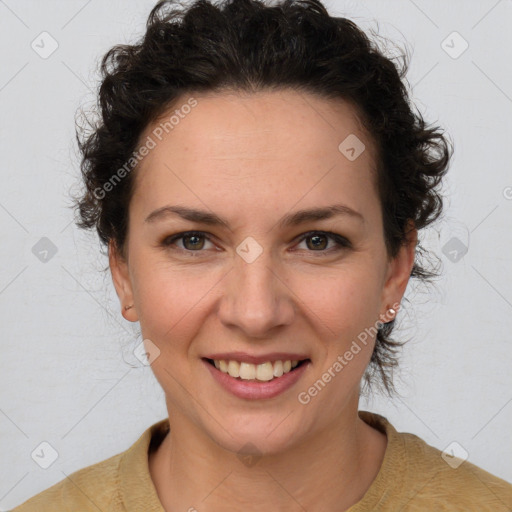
(264, 372)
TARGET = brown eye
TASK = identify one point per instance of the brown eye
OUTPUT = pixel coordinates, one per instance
(317, 241)
(192, 241)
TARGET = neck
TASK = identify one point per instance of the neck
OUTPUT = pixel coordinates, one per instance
(330, 471)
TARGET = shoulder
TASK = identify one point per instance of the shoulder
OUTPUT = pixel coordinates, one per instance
(92, 488)
(416, 476)
(116, 484)
(453, 483)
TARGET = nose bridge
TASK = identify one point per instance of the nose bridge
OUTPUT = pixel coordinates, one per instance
(256, 299)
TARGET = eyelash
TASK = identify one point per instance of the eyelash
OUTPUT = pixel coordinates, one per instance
(341, 242)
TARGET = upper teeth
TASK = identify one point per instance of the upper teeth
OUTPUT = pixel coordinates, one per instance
(247, 371)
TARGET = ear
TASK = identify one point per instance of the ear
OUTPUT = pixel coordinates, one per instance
(399, 272)
(122, 282)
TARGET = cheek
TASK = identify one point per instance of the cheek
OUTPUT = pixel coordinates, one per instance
(343, 300)
(171, 300)
(171, 311)
(344, 310)
(344, 307)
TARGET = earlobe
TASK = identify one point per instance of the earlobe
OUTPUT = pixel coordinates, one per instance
(122, 283)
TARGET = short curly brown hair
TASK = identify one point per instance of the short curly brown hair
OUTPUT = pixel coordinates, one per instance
(245, 45)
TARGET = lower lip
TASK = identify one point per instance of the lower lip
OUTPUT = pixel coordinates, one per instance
(257, 390)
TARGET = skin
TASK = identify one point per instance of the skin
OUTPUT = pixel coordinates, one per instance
(252, 159)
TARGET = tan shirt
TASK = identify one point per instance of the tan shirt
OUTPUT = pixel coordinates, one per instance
(413, 477)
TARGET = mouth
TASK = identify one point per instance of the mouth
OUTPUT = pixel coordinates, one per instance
(265, 372)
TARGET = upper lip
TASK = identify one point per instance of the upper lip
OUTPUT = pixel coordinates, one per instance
(243, 357)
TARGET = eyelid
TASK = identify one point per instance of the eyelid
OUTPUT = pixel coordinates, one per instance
(340, 241)
(168, 241)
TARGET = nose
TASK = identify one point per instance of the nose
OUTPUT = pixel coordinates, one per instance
(256, 298)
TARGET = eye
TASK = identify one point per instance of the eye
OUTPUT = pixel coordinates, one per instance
(320, 239)
(193, 241)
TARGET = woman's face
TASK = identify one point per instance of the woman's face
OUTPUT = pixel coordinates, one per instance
(256, 284)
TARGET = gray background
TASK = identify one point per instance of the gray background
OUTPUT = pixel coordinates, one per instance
(68, 375)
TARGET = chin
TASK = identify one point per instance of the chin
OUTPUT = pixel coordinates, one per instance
(257, 434)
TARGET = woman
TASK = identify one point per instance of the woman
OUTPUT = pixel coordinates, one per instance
(260, 180)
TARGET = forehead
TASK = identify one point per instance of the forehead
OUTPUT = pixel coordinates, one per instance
(256, 123)
(267, 143)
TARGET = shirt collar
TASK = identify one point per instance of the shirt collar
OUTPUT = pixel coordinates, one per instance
(137, 489)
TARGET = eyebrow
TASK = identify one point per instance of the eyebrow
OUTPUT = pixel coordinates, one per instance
(291, 219)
